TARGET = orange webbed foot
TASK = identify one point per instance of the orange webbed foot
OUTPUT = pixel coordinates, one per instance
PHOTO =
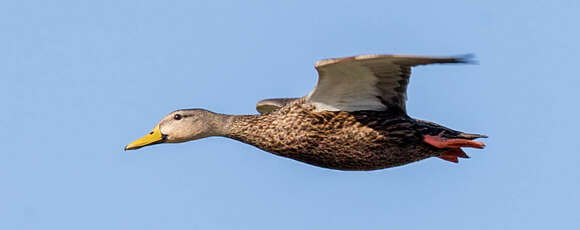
(453, 154)
(441, 142)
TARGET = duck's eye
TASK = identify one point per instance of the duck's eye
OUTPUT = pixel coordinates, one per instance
(177, 116)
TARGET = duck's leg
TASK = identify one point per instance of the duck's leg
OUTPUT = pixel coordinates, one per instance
(453, 146)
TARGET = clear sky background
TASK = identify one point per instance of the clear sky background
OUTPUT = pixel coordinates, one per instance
(81, 79)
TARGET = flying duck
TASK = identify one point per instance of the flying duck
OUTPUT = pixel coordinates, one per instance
(354, 119)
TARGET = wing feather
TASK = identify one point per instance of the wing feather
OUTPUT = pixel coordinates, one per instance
(368, 82)
(270, 105)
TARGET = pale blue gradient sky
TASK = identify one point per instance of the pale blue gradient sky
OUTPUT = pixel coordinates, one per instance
(80, 79)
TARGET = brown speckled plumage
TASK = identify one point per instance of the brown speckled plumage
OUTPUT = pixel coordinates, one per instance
(354, 119)
(361, 140)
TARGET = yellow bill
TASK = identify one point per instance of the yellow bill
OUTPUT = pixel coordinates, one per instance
(154, 137)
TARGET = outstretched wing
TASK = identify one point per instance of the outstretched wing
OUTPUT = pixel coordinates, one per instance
(368, 82)
(273, 104)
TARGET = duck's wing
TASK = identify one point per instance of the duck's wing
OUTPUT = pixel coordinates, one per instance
(270, 105)
(368, 82)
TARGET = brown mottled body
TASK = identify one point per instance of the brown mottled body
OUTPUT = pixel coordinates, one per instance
(361, 140)
(353, 119)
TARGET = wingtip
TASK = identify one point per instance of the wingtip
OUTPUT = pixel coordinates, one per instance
(466, 59)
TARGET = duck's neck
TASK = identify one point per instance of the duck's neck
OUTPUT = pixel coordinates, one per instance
(226, 125)
(257, 130)
(245, 128)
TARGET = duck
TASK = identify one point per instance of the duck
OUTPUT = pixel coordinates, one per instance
(354, 119)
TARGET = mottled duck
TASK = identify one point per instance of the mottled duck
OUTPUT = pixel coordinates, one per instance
(354, 119)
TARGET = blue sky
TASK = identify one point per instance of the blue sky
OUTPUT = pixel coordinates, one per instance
(81, 79)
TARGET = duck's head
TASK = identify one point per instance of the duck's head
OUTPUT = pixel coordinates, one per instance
(179, 126)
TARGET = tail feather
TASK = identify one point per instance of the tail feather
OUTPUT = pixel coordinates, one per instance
(471, 136)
